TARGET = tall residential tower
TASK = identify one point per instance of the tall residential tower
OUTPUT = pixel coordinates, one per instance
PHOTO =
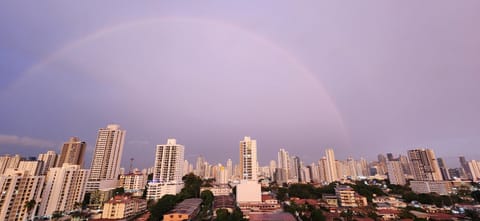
(168, 170)
(106, 158)
(248, 159)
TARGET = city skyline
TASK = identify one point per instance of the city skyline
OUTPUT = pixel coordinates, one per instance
(304, 77)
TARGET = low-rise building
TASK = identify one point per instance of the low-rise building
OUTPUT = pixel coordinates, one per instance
(347, 197)
(134, 182)
(218, 190)
(186, 210)
(439, 187)
(122, 207)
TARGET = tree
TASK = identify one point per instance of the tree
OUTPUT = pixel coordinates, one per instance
(163, 205)
(118, 191)
(29, 205)
(223, 215)
(207, 198)
(317, 215)
(191, 187)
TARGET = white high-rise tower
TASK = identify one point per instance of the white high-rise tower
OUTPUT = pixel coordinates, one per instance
(168, 170)
(248, 159)
(106, 158)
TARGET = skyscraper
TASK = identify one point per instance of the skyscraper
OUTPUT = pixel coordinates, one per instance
(284, 163)
(331, 168)
(424, 165)
(466, 168)
(248, 159)
(106, 158)
(73, 152)
(168, 170)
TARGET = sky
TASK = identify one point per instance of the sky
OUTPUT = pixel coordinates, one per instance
(361, 77)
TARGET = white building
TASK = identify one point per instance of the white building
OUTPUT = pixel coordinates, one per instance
(64, 188)
(168, 170)
(248, 159)
(249, 192)
(17, 188)
(439, 187)
(106, 158)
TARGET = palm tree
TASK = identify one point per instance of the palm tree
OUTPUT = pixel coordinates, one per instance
(29, 205)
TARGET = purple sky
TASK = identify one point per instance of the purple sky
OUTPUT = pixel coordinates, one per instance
(363, 77)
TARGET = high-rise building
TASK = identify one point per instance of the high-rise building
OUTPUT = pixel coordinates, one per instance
(395, 172)
(64, 188)
(424, 165)
(466, 168)
(331, 168)
(168, 170)
(49, 160)
(284, 162)
(443, 169)
(17, 188)
(474, 168)
(106, 158)
(248, 159)
(296, 169)
(229, 169)
(73, 152)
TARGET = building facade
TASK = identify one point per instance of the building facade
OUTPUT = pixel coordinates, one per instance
(73, 152)
(64, 189)
(106, 158)
(248, 159)
(168, 170)
(17, 188)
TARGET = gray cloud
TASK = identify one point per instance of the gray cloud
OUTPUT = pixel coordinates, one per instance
(24, 141)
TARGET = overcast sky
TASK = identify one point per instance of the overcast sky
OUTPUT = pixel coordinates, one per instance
(361, 77)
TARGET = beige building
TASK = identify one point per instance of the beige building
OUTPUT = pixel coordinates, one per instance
(186, 210)
(64, 189)
(49, 160)
(347, 197)
(106, 158)
(248, 159)
(73, 152)
(134, 182)
(122, 207)
(395, 173)
(17, 188)
(8, 161)
(424, 165)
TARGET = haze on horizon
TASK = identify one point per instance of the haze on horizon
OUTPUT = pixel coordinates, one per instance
(363, 78)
